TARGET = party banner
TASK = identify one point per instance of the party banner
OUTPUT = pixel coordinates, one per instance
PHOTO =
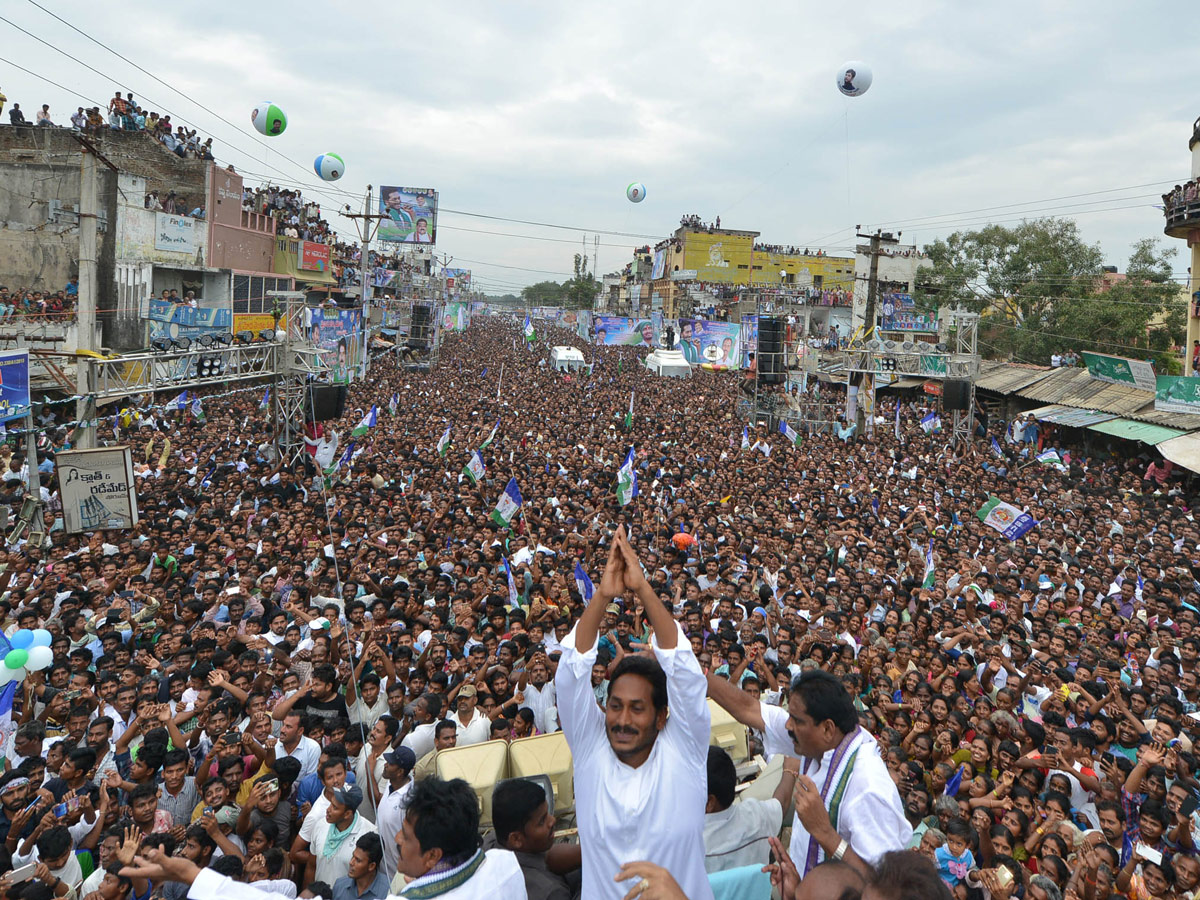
(456, 317)
(409, 215)
(174, 320)
(14, 384)
(749, 337)
(618, 331)
(340, 332)
(1118, 370)
(717, 344)
(1177, 394)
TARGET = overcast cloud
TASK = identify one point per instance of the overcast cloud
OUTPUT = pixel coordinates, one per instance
(545, 111)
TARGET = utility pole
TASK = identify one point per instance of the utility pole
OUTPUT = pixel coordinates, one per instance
(867, 379)
(366, 224)
(85, 437)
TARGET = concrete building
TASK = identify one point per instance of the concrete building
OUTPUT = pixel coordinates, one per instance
(898, 267)
(700, 262)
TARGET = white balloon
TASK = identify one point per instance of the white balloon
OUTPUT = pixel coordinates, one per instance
(7, 674)
(854, 78)
(39, 658)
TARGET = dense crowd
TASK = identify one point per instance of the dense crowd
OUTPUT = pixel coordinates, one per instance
(30, 303)
(250, 690)
(294, 216)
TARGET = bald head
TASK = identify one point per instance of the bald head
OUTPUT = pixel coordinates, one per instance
(904, 875)
(831, 880)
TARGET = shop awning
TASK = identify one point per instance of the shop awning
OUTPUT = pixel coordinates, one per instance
(1136, 431)
(903, 383)
(1068, 416)
(1183, 451)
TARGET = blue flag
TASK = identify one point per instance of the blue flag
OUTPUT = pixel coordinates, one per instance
(586, 588)
(996, 447)
(266, 400)
(953, 782)
(512, 585)
(180, 402)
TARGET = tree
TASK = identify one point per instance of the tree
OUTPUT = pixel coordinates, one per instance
(1040, 289)
(580, 292)
(544, 293)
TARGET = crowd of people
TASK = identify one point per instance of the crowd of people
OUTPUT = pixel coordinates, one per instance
(32, 304)
(250, 689)
(1181, 194)
(294, 216)
(123, 113)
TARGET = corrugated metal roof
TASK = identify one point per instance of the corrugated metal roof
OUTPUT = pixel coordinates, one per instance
(1136, 431)
(1007, 378)
(1068, 415)
(1075, 387)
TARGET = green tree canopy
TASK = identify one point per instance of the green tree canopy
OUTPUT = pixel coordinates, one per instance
(1039, 288)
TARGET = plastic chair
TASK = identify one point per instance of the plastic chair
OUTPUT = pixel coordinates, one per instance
(481, 766)
(546, 754)
(728, 733)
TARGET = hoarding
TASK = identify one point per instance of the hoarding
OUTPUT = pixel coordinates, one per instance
(14, 384)
(175, 233)
(313, 257)
(410, 215)
(456, 317)
(97, 489)
(619, 331)
(1177, 394)
(714, 343)
(1118, 370)
(173, 320)
(340, 332)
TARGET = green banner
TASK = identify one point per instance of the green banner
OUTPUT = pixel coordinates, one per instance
(1174, 393)
(933, 365)
(1118, 370)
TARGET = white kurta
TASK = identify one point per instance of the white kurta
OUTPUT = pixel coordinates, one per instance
(498, 876)
(737, 836)
(871, 816)
(656, 811)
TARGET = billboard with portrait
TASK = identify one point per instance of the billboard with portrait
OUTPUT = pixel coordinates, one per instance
(14, 384)
(749, 337)
(456, 316)
(620, 331)
(410, 215)
(715, 343)
(340, 332)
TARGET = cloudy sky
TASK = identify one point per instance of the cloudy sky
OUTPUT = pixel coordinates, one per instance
(543, 112)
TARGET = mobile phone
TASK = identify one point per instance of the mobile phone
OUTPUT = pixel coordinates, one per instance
(1189, 805)
(1148, 853)
(1004, 875)
(24, 873)
(233, 737)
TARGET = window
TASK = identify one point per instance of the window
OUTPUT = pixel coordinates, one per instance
(250, 292)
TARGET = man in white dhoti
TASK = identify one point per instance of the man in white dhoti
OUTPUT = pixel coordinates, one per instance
(847, 806)
(640, 773)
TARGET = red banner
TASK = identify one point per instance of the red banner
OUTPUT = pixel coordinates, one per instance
(314, 257)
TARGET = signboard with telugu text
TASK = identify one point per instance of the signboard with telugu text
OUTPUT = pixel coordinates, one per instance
(1118, 370)
(97, 489)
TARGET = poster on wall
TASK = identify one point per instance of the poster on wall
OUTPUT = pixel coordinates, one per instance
(620, 331)
(14, 384)
(340, 332)
(97, 489)
(174, 233)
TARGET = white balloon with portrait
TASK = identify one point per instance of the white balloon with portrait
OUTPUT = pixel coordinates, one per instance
(636, 192)
(854, 78)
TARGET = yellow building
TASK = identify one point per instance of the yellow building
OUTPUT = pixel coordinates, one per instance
(731, 257)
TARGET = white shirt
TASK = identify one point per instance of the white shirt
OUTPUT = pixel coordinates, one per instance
(871, 816)
(367, 810)
(476, 731)
(541, 701)
(498, 876)
(331, 868)
(738, 836)
(655, 811)
(389, 820)
(307, 753)
(420, 739)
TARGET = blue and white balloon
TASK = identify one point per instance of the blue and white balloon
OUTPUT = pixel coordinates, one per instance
(329, 166)
(636, 192)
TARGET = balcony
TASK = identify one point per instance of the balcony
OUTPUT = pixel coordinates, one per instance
(1182, 212)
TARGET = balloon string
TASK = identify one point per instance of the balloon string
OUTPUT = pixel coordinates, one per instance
(846, 120)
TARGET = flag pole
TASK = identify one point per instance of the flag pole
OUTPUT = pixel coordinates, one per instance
(500, 382)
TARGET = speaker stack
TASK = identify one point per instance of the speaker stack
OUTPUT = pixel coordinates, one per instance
(772, 364)
(326, 402)
(420, 331)
(956, 396)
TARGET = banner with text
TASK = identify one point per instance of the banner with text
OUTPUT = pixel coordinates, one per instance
(14, 384)
(410, 215)
(619, 331)
(1118, 370)
(714, 343)
(97, 489)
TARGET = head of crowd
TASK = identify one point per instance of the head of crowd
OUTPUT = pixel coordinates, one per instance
(251, 688)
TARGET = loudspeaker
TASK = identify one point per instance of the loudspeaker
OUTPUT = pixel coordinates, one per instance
(325, 402)
(420, 332)
(772, 365)
(956, 396)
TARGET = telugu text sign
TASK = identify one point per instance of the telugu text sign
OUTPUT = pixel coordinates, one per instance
(97, 489)
(175, 233)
